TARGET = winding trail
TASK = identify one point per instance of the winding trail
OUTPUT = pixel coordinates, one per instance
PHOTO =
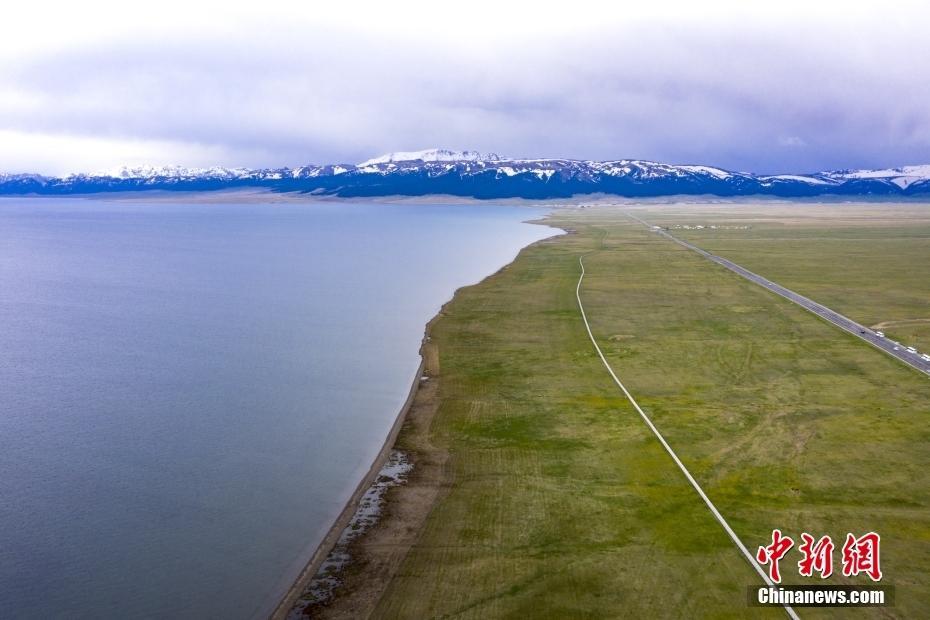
(710, 505)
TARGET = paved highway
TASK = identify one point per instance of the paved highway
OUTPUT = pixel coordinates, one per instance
(890, 347)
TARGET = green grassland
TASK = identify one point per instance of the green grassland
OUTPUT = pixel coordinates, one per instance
(561, 502)
(868, 261)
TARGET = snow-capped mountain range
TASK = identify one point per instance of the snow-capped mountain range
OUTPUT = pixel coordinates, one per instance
(484, 175)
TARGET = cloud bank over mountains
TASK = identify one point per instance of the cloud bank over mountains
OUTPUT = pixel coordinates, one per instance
(763, 88)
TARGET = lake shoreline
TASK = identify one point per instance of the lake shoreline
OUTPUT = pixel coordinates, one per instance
(329, 541)
(417, 411)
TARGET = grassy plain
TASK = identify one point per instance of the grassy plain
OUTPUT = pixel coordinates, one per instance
(560, 503)
(868, 261)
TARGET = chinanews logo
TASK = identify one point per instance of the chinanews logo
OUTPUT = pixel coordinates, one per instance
(859, 555)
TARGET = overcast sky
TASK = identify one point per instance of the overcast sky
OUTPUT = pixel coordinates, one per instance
(757, 86)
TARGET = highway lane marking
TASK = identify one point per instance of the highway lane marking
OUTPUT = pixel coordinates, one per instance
(713, 509)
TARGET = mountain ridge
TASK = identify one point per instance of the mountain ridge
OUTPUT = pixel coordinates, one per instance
(486, 176)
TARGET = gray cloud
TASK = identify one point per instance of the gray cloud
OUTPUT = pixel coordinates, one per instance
(744, 96)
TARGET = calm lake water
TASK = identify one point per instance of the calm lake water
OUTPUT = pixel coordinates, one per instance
(189, 393)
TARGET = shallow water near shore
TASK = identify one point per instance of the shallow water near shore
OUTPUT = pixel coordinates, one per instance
(190, 392)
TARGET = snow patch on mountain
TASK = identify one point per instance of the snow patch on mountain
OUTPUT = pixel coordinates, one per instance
(28, 176)
(430, 155)
(797, 178)
(147, 171)
(714, 172)
(902, 177)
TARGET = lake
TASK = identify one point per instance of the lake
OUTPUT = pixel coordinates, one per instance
(189, 393)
